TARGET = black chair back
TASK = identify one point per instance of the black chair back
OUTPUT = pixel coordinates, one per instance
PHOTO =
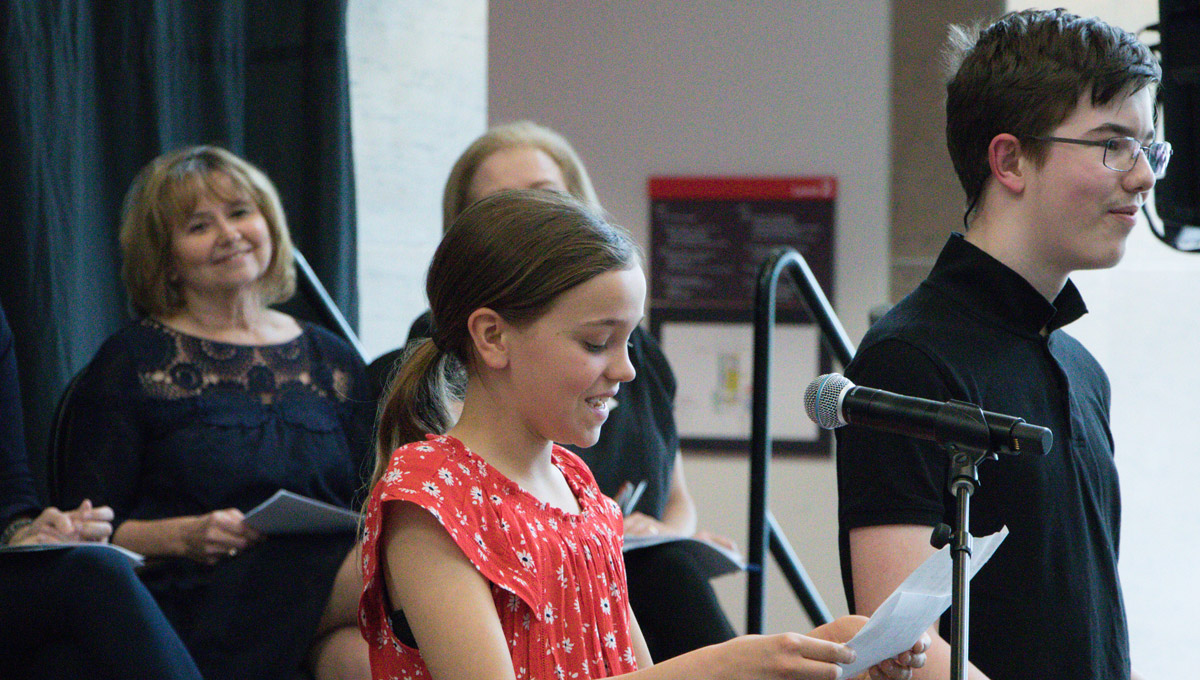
(60, 433)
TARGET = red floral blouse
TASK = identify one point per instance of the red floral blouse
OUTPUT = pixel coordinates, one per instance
(558, 579)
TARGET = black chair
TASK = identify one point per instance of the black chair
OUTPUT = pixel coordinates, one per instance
(60, 433)
(380, 372)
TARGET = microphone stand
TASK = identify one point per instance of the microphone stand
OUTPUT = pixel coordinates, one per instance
(965, 457)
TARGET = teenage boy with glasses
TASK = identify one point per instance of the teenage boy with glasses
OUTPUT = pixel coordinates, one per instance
(1030, 97)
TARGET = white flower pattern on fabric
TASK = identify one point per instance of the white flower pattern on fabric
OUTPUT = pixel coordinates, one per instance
(570, 618)
(526, 559)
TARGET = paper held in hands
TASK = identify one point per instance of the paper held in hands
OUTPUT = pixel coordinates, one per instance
(291, 513)
(914, 606)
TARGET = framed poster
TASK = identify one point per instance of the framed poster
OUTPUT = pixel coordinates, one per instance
(708, 238)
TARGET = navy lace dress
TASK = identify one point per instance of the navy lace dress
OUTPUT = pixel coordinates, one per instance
(169, 425)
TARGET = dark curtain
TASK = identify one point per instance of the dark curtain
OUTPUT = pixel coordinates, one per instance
(91, 91)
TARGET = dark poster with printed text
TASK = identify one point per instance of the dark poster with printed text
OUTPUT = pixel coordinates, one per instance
(708, 238)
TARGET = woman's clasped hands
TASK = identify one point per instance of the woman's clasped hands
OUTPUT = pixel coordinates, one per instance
(83, 524)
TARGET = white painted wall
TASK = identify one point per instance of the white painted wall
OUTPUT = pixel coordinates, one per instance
(418, 81)
(769, 87)
(1142, 325)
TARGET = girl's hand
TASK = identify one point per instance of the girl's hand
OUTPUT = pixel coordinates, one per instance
(897, 668)
(220, 534)
(786, 655)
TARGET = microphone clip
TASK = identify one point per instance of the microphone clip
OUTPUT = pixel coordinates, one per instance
(964, 428)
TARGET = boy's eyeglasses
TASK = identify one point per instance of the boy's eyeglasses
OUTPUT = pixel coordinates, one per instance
(1121, 153)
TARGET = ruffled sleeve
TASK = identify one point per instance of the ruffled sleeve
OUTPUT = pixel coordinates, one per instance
(471, 505)
(557, 578)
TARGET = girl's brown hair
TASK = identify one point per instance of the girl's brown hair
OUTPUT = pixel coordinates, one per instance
(513, 252)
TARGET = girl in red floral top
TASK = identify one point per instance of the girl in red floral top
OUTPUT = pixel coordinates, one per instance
(488, 551)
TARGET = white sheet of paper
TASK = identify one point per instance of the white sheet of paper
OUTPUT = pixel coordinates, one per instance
(290, 513)
(913, 607)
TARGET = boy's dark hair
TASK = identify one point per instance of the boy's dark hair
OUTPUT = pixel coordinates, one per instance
(1024, 75)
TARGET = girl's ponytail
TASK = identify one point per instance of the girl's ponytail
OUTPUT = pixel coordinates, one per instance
(417, 402)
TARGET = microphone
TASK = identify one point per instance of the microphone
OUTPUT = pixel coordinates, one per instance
(832, 401)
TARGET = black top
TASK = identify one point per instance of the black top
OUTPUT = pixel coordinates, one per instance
(638, 441)
(1048, 604)
(177, 425)
(168, 424)
(17, 495)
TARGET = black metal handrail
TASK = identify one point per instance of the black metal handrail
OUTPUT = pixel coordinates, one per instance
(764, 530)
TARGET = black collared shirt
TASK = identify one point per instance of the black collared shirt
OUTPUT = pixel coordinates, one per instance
(1049, 603)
